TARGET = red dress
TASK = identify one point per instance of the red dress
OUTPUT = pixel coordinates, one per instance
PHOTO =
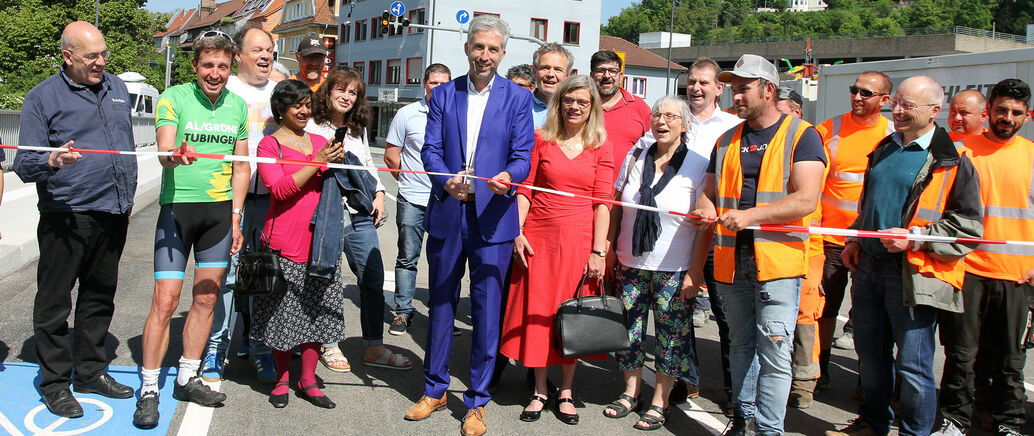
(559, 230)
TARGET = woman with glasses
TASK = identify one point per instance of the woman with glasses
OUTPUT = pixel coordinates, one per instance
(659, 261)
(309, 312)
(562, 238)
(341, 103)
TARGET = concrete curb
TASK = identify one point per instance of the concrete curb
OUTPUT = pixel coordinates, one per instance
(19, 215)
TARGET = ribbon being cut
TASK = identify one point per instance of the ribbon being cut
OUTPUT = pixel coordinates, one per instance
(915, 236)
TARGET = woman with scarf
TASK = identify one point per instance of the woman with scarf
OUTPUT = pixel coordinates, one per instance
(562, 238)
(658, 258)
(310, 311)
(341, 102)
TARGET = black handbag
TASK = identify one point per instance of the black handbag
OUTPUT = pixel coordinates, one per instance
(258, 266)
(585, 326)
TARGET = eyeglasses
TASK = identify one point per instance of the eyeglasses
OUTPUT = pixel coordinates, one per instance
(93, 57)
(865, 92)
(605, 71)
(570, 102)
(908, 106)
(212, 33)
(667, 117)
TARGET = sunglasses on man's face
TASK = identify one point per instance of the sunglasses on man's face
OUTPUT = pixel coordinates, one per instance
(865, 92)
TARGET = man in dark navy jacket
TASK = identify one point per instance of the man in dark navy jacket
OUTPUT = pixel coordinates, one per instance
(84, 203)
(479, 124)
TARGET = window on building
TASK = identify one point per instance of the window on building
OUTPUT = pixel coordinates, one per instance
(360, 30)
(394, 30)
(624, 82)
(375, 28)
(394, 71)
(297, 10)
(417, 16)
(539, 28)
(572, 32)
(375, 73)
(360, 68)
(414, 71)
(639, 86)
(292, 44)
(476, 13)
(345, 33)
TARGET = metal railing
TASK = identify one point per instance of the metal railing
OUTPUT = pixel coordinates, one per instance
(889, 33)
(143, 132)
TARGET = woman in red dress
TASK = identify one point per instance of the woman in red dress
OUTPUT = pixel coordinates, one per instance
(561, 238)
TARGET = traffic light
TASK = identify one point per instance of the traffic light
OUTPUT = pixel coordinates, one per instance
(385, 22)
(404, 22)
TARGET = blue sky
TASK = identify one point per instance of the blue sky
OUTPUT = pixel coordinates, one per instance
(610, 7)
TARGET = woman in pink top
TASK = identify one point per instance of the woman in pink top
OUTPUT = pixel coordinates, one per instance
(310, 311)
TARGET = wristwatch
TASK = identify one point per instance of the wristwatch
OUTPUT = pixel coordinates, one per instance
(599, 253)
(237, 211)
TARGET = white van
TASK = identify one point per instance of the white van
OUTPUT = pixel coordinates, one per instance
(142, 97)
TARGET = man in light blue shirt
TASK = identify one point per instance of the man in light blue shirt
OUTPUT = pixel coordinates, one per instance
(550, 65)
(404, 141)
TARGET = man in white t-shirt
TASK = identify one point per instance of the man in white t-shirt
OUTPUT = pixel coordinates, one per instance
(255, 62)
(404, 141)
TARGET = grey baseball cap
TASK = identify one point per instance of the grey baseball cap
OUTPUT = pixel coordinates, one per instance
(791, 94)
(751, 66)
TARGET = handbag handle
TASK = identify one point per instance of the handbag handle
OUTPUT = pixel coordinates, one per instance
(578, 295)
(280, 152)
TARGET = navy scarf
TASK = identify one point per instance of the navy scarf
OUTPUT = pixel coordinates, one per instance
(647, 227)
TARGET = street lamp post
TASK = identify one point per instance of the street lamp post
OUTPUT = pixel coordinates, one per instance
(671, 29)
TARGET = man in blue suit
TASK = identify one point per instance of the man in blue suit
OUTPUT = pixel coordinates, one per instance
(479, 124)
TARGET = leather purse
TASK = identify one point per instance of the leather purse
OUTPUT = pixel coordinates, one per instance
(258, 270)
(588, 325)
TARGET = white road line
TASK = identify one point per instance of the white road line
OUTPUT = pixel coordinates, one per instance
(1029, 387)
(843, 318)
(6, 424)
(691, 409)
(197, 419)
(392, 197)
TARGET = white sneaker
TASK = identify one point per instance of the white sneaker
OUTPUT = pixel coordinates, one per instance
(699, 317)
(845, 342)
(947, 428)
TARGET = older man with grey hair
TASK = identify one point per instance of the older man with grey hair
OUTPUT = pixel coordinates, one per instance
(916, 181)
(550, 65)
(522, 76)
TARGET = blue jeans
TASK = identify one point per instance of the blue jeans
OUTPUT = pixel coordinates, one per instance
(757, 312)
(223, 316)
(881, 322)
(363, 252)
(410, 222)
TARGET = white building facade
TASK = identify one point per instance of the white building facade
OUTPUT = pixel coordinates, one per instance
(397, 60)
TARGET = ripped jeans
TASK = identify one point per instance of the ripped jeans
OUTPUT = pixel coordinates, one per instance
(762, 317)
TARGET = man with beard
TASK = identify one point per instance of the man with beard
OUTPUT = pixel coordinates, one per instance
(202, 204)
(625, 117)
(478, 124)
(997, 286)
(550, 65)
(768, 170)
(848, 139)
(967, 114)
(311, 57)
(84, 206)
(916, 182)
(252, 83)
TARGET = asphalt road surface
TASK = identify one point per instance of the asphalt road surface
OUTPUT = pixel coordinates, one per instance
(372, 401)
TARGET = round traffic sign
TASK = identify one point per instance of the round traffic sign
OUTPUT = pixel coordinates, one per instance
(463, 16)
(397, 8)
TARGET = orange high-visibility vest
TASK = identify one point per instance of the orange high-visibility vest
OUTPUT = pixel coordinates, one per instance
(930, 209)
(1006, 177)
(847, 147)
(779, 255)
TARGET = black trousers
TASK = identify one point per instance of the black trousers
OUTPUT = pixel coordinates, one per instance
(83, 247)
(998, 309)
(719, 316)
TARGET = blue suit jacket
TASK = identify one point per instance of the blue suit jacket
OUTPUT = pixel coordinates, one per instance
(504, 143)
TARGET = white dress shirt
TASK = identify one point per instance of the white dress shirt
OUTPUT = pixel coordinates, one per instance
(706, 132)
(476, 104)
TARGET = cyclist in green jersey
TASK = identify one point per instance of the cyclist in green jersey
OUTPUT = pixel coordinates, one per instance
(201, 202)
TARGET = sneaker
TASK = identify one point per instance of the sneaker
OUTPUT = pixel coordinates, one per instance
(699, 317)
(264, 367)
(456, 331)
(399, 325)
(244, 349)
(948, 428)
(857, 427)
(1004, 430)
(845, 341)
(196, 392)
(146, 415)
(212, 366)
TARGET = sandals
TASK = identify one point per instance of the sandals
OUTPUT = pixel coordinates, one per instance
(620, 410)
(390, 360)
(529, 416)
(566, 418)
(334, 360)
(653, 422)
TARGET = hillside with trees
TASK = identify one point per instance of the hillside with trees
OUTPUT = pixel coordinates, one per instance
(735, 19)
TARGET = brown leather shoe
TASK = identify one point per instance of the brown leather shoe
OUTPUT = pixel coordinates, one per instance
(424, 408)
(474, 423)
